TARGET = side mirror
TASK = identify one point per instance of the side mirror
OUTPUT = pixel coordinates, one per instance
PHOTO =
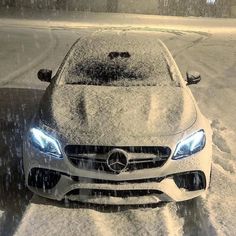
(45, 75)
(193, 77)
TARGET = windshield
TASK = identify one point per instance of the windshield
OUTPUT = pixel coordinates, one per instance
(118, 60)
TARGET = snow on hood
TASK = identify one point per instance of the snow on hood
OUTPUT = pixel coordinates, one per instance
(110, 115)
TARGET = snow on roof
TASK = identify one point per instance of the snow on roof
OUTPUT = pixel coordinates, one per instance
(117, 59)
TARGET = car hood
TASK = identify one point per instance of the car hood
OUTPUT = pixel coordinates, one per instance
(108, 115)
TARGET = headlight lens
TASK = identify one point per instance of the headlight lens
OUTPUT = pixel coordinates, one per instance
(190, 145)
(44, 142)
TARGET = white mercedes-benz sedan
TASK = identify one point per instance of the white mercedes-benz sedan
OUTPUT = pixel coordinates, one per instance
(118, 124)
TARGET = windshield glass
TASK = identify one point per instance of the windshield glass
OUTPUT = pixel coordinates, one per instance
(117, 60)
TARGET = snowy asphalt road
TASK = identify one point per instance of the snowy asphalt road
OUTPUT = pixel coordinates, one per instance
(25, 51)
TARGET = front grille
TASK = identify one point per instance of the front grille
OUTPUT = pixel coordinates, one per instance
(86, 149)
(114, 193)
(95, 157)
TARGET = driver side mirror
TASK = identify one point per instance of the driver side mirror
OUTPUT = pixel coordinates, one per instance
(193, 77)
(45, 75)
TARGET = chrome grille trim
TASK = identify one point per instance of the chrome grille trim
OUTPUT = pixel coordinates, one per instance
(95, 157)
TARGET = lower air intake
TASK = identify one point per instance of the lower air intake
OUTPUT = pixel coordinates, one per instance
(43, 178)
(114, 193)
(191, 181)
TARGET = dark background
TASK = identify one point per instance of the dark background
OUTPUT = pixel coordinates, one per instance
(207, 8)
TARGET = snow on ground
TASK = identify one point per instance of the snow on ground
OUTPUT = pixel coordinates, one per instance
(213, 55)
(45, 218)
(25, 50)
(221, 201)
(222, 196)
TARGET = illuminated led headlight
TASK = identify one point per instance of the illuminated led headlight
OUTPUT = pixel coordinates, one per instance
(190, 145)
(44, 142)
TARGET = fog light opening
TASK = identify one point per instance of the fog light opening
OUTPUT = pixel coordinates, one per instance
(43, 178)
(191, 181)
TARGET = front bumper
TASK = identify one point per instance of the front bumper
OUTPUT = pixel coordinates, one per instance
(88, 190)
(80, 184)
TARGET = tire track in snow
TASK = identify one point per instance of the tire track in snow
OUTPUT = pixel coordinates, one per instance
(223, 152)
(190, 45)
(174, 223)
(196, 217)
(220, 202)
(155, 220)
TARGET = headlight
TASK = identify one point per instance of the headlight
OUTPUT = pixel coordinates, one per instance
(190, 145)
(44, 142)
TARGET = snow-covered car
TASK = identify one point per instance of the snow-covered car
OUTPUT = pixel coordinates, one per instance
(118, 125)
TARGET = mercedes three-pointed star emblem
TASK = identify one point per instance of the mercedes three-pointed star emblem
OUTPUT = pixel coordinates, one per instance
(117, 160)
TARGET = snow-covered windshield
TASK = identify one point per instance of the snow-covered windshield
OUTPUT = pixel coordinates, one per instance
(118, 60)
